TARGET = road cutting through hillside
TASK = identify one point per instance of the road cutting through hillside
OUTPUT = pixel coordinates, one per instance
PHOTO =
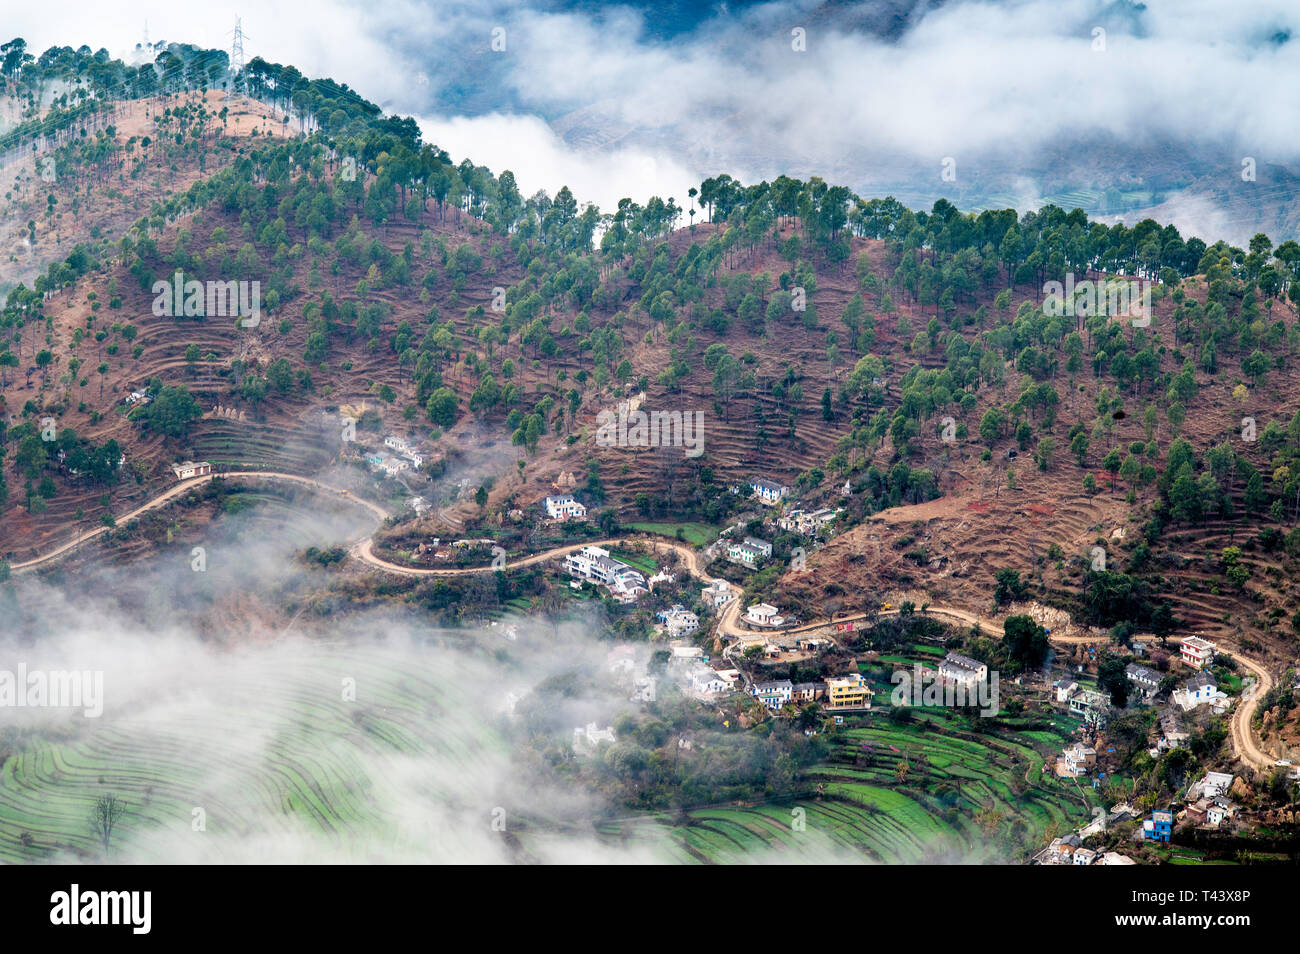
(1243, 739)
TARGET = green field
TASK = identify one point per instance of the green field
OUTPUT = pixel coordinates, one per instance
(696, 534)
(302, 760)
(637, 561)
(959, 796)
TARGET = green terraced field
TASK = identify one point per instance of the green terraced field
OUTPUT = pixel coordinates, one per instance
(302, 758)
(962, 796)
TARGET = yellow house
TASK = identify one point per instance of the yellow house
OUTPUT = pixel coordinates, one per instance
(848, 692)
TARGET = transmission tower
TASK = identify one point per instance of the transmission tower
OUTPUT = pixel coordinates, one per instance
(236, 57)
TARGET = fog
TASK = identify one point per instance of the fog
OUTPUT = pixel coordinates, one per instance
(414, 740)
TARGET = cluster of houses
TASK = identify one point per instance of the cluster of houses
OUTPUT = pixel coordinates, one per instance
(594, 563)
(1208, 806)
(693, 673)
(805, 523)
(403, 449)
(1069, 850)
(138, 398)
(564, 507)
(404, 457)
(837, 693)
(1199, 690)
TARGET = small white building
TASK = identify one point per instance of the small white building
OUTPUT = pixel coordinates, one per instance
(1198, 691)
(1143, 680)
(679, 621)
(718, 593)
(763, 614)
(773, 694)
(962, 670)
(588, 739)
(705, 681)
(767, 491)
(565, 507)
(188, 468)
(1212, 785)
(747, 554)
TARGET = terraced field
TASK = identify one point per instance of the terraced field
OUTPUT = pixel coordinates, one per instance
(302, 760)
(960, 796)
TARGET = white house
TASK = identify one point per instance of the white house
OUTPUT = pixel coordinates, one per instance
(1145, 681)
(962, 670)
(1198, 691)
(1084, 856)
(1220, 811)
(773, 694)
(679, 621)
(746, 553)
(1076, 760)
(188, 468)
(629, 584)
(391, 466)
(1212, 785)
(707, 682)
(767, 491)
(718, 593)
(593, 563)
(683, 624)
(763, 614)
(1197, 652)
(586, 740)
(404, 449)
(1065, 688)
(565, 507)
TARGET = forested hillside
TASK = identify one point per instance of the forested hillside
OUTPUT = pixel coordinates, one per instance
(825, 338)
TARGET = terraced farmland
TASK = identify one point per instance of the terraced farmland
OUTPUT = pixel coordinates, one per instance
(961, 797)
(303, 760)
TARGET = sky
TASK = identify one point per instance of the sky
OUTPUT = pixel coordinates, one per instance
(1022, 97)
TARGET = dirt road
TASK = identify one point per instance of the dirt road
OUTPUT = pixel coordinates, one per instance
(1243, 740)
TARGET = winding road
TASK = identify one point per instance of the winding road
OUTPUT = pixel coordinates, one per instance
(1243, 739)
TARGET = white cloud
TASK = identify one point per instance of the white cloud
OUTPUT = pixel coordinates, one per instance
(530, 149)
